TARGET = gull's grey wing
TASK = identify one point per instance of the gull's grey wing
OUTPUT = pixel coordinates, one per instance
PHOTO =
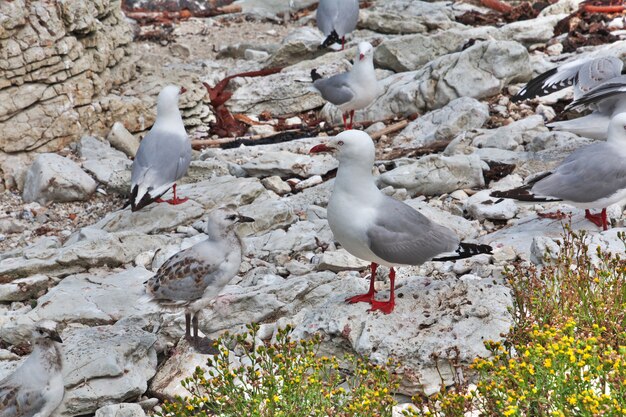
(326, 14)
(19, 401)
(347, 17)
(594, 72)
(188, 273)
(335, 89)
(589, 174)
(584, 74)
(161, 159)
(402, 235)
(608, 90)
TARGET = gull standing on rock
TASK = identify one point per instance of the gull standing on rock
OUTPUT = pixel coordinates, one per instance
(352, 90)
(36, 387)
(337, 18)
(585, 75)
(194, 277)
(592, 177)
(375, 227)
(163, 155)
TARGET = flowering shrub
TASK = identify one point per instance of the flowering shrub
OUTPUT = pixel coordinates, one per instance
(283, 379)
(556, 374)
(566, 352)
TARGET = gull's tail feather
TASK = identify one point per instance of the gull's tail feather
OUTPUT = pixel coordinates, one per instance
(332, 38)
(145, 200)
(467, 250)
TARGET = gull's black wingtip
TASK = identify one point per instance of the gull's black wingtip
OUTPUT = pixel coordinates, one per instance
(467, 250)
(314, 75)
(332, 38)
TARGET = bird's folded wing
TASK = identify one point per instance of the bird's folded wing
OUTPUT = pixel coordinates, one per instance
(185, 275)
(550, 81)
(606, 90)
(17, 401)
(336, 89)
(587, 175)
(327, 13)
(161, 159)
(401, 235)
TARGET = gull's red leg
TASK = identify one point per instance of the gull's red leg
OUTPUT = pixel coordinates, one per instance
(368, 297)
(387, 306)
(175, 201)
(605, 223)
(351, 119)
(596, 218)
(344, 116)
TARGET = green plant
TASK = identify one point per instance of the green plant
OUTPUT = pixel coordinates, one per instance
(555, 374)
(573, 285)
(565, 354)
(283, 379)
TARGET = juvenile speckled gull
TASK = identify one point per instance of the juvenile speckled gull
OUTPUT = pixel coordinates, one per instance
(592, 177)
(585, 75)
(352, 90)
(337, 18)
(377, 228)
(164, 154)
(36, 387)
(194, 277)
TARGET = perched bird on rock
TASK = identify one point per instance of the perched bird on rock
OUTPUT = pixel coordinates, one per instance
(593, 81)
(163, 155)
(377, 228)
(592, 177)
(337, 18)
(194, 277)
(352, 90)
(36, 387)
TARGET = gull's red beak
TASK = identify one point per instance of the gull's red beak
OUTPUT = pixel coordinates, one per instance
(361, 57)
(320, 148)
(183, 90)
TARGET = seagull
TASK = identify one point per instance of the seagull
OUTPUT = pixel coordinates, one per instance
(606, 100)
(585, 75)
(352, 90)
(377, 228)
(36, 387)
(163, 155)
(336, 18)
(592, 177)
(194, 277)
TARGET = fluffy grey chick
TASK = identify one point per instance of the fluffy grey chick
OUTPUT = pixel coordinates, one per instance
(194, 277)
(36, 387)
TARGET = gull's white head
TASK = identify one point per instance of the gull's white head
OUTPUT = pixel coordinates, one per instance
(351, 146)
(223, 219)
(46, 330)
(168, 99)
(366, 50)
(617, 128)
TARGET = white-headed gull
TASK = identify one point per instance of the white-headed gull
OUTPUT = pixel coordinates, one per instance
(36, 387)
(592, 177)
(352, 90)
(337, 18)
(163, 155)
(194, 277)
(377, 228)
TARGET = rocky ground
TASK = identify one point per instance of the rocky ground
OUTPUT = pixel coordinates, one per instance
(71, 253)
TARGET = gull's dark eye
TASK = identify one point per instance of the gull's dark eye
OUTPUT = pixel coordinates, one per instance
(231, 217)
(340, 143)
